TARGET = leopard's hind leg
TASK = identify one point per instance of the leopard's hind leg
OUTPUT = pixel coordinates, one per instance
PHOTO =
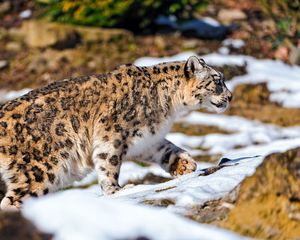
(28, 184)
(17, 193)
(14, 197)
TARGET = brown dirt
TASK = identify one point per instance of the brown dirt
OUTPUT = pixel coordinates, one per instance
(209, 212)
(13, 226)
(252, 101)
(196, 130)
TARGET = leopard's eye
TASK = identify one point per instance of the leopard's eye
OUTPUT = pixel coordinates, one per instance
(218, 81)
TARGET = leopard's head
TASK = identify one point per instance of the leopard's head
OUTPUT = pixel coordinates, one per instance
(206, 86)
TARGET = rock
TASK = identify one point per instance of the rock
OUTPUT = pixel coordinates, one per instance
(231, 15)
(15, 34)
(169, 22)
(190, 43)
(101, 35)
(211, 212)
(14, 226)
(3, 33)
(38, 65)
(3, 64)
(43, 34)
(205, 29)
(294, 56)
(268, 203)
(4, 7)
(160, 42)
(13, 46)
(253, 94)
(52, 58)
(282, 53)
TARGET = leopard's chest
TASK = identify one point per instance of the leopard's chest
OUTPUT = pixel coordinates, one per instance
(139, 144)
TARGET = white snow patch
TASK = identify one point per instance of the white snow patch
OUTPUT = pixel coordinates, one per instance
(236, 43)
(246, 133)
(25, 14)
(77, 217)
(224, 50)
(211, 21)
(10, 95)
(192, 189)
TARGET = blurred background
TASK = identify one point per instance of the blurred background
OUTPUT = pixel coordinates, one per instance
(47, 40)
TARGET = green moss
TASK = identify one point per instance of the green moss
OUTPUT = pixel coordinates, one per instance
(130, 14)
(286, 17)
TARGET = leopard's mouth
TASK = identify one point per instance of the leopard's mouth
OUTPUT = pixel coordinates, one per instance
(219, 105)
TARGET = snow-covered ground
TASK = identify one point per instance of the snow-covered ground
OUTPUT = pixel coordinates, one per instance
(83, 213)
(248, 137)
(78, 216)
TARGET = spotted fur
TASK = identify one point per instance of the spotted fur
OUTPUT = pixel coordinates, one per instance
(57, 134)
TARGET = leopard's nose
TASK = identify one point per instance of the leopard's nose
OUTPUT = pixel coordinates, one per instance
(230, 97)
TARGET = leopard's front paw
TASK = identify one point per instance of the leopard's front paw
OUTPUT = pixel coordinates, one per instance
(109, 190)
(183, 164)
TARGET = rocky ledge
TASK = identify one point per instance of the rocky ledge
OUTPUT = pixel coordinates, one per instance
(268, 202)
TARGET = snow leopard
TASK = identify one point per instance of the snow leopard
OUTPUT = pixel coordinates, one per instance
(55, 135)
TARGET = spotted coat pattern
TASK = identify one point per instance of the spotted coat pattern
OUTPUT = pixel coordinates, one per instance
(59, 133)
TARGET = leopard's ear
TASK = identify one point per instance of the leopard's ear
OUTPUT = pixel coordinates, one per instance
(192, 66)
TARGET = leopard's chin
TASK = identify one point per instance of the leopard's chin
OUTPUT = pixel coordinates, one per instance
(218, 107)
